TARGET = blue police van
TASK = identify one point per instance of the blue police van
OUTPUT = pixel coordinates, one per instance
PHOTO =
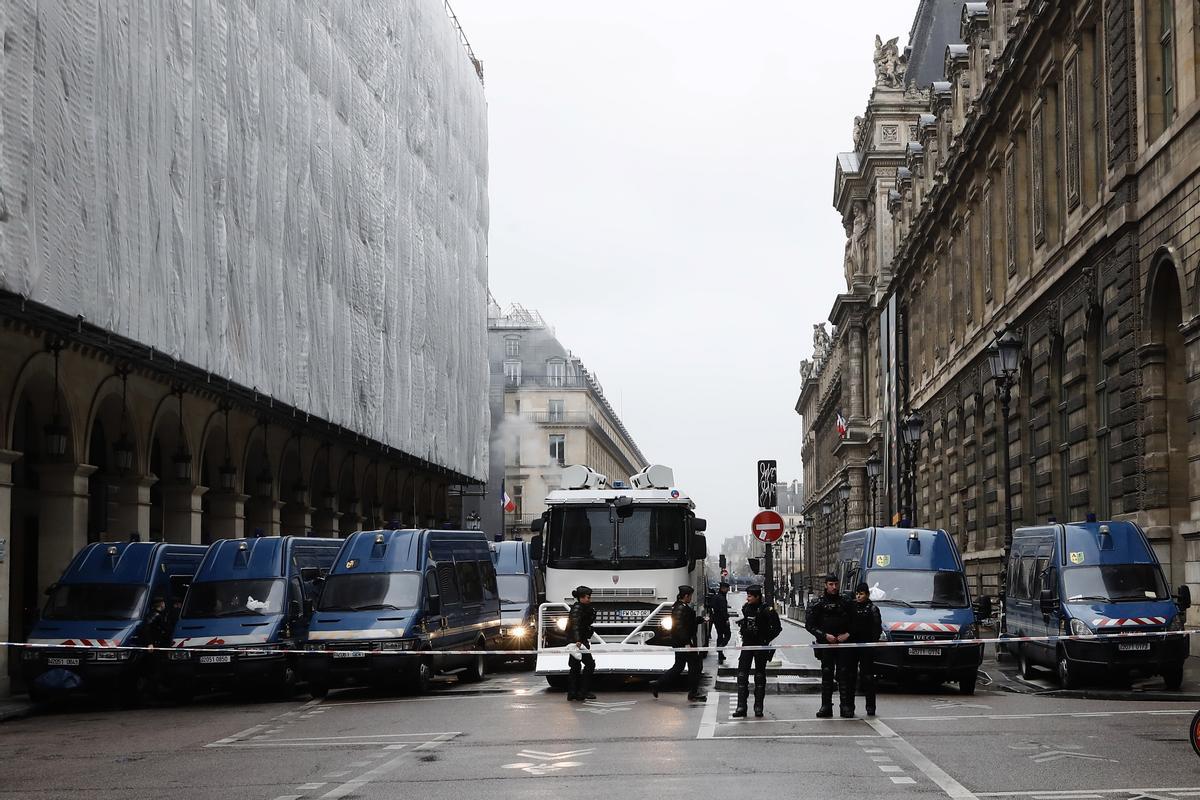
(522, 591)
(248, 596)
(393, 592)
(1093, 578)
(112, 594)
(917, 580)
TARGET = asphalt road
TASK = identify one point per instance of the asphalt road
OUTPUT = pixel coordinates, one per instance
(511, 736)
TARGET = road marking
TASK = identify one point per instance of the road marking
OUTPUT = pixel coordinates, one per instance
(932, 771)
(890, 768)
(439, 739)
(289, 797)
(547, 763)
(1149, 711)
(235, 737)
(308, 787)
(339, 774)
(354, 784)
(708, 722)
(360, 736)
(604, 709)
(904, 779)
(1092, 793)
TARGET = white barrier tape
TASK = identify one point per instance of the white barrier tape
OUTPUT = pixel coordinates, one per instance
(1104, 638)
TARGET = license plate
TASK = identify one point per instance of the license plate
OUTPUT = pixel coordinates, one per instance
(215, 659)
(633, 614)
(62, 662)
(924, 651)
(1133, 645)
(348, 654)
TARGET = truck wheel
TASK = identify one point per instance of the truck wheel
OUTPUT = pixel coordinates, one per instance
(1194, 733)
(1173, 678)
(557, 681)
(475, 670)
(420, 677)
(318, 691)
(966, 684)
(1024, 665)
(1068, 675)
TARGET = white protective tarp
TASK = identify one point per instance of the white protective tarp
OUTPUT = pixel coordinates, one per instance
(288, 193)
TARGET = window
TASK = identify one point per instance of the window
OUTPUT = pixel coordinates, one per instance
(987, 242)
(1072, 81)
(1166, 42)
(518, 498)
(447, 585)
(512, 373)
(512, 347)
(487, 576)
(1036, 133)
(1010, 210)
(1098, 154)
(1064, 430)
(1158, 19)
(558, 448)
(1101, 502)
(556, 372)
(556, 411)
(469, 582)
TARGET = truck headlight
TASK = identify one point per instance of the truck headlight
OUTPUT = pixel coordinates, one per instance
(561, 623)
(518, 631)
(179, 654)
(667, 624)
(1080, 628)
(397, 644)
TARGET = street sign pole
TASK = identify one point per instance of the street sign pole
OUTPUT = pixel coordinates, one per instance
(769, 587)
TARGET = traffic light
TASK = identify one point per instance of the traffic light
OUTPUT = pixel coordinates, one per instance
(753, 565)
(721, 561)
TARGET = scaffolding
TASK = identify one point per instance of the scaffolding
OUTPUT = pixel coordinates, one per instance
(462, 39)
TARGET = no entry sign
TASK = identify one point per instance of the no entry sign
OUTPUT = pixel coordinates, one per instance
(767, 526)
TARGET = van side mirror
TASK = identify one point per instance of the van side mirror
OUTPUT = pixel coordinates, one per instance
(983, 608)
(535, 546)
(699, 524)
(1183, 597)
(699, 547)
(433, 604)
(1047, 602)
(537, 524)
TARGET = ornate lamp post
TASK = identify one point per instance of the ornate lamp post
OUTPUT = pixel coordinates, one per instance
(874, 468)
(910, 430)
(1004, 359)
(826, 517)
(806, 553)
(844, 498)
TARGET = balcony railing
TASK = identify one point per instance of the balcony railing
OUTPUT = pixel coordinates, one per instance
(560, 417)
(548, 381)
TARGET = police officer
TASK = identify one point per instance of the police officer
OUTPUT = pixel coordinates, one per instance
(683, 634)
(759, 626)
(865, 626)
(828, 620)
(579, 633)
(158, 628)
(718, 613)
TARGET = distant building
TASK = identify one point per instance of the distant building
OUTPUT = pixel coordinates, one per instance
(547, 412)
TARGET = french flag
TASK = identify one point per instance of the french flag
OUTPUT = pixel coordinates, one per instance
(509, 505)
(841, 425)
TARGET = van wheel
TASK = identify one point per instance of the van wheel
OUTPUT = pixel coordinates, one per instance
(421, 677)
(1173, 678)
(1068, 676)
(474, 671)
(966, 684)
(1024, 664)
(318, 691)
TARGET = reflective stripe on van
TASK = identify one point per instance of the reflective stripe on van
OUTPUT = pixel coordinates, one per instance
(1126, 622)
(924, 627)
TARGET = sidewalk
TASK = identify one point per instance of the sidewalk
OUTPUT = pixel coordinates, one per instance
(15, 707)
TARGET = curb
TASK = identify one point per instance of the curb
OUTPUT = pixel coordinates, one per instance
(18, 710)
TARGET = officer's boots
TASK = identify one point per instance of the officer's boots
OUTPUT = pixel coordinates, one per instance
(583, 691)
(743, 695)
(760, 693)
(870, 705)
(826, 709)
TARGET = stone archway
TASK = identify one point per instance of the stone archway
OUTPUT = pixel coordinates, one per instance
(175, 498)
(296, 514)
(323, 494)
(262, 509)
(1165, 406)
(119, 492)
(349, 502)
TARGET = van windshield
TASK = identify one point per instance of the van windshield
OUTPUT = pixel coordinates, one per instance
(95, 601)
(514, 589)
(371, 591)
(252, 598)
(1115, 583)
(653, 537)
(941, 589)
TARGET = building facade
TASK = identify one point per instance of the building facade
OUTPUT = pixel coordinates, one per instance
(1050, 193)
(221, 313)
(549, 412)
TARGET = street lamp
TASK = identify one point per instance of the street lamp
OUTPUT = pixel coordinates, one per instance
(55, 434)
(182, 458)
(806, 553)
(1004, 359)
(827, 523)
(844, 498)
(874, 468)
(911, 431)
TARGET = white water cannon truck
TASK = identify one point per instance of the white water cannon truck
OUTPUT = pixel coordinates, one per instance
(634, 544)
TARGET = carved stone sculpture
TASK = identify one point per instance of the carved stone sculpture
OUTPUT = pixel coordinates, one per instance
(890, 65)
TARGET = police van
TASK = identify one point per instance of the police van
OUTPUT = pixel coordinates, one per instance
(1086, 578)
(105, 600)
(916, 578)
(246, 614)
(396, 592)
(522, 589)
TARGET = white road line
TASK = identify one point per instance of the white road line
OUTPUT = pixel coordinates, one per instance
(362, 780)
(904, 779)
(769, 737)
(340, 774)
(361, 736)
(441, 737)
(427, 699)
(1074, 793)
(309, 787)
(236, 736)
(708, 722)
(943, 717)
(932, 771)
(890, 768)
(289, 797)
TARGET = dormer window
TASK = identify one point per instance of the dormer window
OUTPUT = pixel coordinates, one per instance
(556, 372)
(512, 346)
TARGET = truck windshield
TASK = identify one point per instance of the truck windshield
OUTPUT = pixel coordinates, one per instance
(939, 589)
(653, 537)
(95, 601)
(514, 589)
(1116, 583)
(234, 598)
(371, 591)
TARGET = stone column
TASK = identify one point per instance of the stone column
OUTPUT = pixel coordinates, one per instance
(182, 512)
(325, 520)
(857, 370)
(227, 514)
(62, 517)
(7, 457)
(133, 506)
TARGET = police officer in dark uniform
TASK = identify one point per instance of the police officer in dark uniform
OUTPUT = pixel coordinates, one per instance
(579, 632)
(718, 613)
(828, 620)
(865, 626)
(683, 634)
(759, 626)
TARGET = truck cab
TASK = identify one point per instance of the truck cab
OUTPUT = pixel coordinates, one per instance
(1086, 578)
(105, 599)
(246, 614)
(916, 578)
(522, 590)
(396, 592)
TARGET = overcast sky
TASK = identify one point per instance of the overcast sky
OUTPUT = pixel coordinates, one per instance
(661, 184)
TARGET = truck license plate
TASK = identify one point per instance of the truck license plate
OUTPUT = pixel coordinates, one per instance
(62, 662)
(349, 654)
(633, 614)
(1133, 645)
(215, 659)
(924, 651)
